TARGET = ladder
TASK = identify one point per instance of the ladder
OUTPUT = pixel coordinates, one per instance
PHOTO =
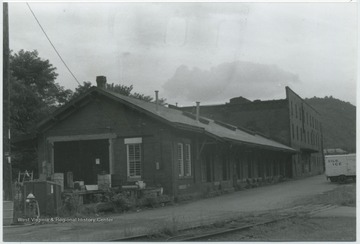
(25, 176)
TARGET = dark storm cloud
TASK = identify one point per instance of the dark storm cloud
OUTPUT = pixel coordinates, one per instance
(228, 80)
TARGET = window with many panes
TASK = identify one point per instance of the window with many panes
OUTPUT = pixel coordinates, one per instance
(184, 159)
(180, 157)
(308, 136)
(134, 160)
(187, 164)
(297, 133)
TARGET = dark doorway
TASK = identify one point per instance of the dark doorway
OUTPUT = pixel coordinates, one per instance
(85, 159)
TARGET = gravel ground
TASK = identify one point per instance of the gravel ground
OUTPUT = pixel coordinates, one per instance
(300, 229)
(334, 224)
(198, 212)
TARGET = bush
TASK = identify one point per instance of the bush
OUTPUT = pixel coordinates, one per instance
(164, 199)
(105, 207)
(71, 205)
(123, 202)
(148, 201)
(87, 209)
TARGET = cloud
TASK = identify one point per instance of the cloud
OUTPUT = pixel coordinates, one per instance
(227, 80)
(316, 41)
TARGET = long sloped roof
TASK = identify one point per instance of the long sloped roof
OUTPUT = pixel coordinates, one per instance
(211, 127)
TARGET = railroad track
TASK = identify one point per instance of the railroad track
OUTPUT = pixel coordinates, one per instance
(203, 232)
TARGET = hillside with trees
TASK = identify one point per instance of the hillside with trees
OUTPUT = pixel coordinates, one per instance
(338, 122)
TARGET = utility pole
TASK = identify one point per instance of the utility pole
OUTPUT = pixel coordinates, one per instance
(7, 168)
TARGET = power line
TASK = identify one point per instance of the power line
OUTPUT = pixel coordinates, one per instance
(52, 44)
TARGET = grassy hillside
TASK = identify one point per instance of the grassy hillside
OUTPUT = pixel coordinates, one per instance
(338, 122)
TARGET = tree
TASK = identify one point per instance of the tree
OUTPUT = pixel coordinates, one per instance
(117, 88)
(82, 89)
(34, 92)
(121, 89)
(33, 95)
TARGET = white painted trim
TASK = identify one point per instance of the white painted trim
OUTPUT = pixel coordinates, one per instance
(180, 159)
(138, 177)
(135, 140)
(188, 160)
(111, 156)
(53, 139)
(127, 161)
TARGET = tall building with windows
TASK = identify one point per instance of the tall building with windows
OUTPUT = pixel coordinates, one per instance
(305, 135)
(290, 121)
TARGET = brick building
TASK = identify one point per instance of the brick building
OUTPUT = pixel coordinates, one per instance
(290, 121)
(105, 132)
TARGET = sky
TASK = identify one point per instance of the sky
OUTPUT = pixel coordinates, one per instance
(206, 52)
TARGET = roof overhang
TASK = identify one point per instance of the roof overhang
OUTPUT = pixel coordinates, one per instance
(266, 147)
(308, 150)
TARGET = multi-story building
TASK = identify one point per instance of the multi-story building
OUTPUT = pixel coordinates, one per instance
(290, 121)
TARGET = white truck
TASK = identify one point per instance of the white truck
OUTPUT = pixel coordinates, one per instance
(338, 168)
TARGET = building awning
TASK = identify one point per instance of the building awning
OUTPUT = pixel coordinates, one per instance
(308, 150)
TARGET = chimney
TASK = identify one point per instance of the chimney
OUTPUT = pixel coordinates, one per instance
(197, 111)
(157, 100)
(101, 81)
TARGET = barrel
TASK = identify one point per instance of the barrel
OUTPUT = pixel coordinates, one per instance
(8, 212)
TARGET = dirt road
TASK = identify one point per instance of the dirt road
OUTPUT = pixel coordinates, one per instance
(180, 216)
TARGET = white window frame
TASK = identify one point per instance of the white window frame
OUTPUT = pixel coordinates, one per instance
(133, 142)
(187, 163)
(180, 158)
(184, 161)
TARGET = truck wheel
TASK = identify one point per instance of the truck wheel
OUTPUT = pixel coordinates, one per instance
(333, 179)
(342, 179)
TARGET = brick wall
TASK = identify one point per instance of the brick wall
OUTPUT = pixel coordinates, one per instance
(306, 136)
(103, 116)
(290, 121)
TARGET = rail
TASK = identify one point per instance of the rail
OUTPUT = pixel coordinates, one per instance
(198, 233)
